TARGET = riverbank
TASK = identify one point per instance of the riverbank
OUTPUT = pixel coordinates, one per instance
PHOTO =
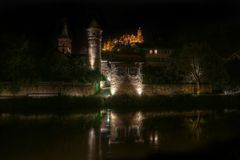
(73, 105)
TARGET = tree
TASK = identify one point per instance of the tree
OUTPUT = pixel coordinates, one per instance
(16, 60)
(200, 64)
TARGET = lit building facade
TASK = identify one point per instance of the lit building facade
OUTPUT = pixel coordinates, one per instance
(157, 56)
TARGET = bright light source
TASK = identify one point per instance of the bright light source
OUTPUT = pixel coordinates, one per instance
(156, 138)
(113, 90)
(102, 84)
(151, 138)
(109, 78)
(139, 90)
(139, 116)
(113, 116)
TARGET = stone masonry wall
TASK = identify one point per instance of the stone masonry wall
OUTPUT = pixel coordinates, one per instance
(68, 89)
(171, 89)
(49, 89)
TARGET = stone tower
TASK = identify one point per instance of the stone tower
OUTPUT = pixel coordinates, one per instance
(64, 41)
(94, 35)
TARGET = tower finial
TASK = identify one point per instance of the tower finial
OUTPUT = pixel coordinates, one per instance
(65, 28)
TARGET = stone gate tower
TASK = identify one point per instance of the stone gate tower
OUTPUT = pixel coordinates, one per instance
(94, 35)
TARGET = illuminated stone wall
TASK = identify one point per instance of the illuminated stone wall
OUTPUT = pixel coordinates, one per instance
(49, 89)
(134, 86)
(171, 89)
(125, 87)
(115, 80)
(119, 85)
(126, 82)
(105, 70)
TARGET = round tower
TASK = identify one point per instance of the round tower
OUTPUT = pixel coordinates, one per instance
(94, 35)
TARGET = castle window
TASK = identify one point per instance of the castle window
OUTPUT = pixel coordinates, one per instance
(155, 51)
(150, 51)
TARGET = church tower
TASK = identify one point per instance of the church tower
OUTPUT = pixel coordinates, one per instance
(94, 36)
(64, 41)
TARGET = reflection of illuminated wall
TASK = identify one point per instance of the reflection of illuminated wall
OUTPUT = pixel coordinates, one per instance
(119, 129)
(91, 144)
(153, 137)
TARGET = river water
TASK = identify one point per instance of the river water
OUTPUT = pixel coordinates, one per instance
(124, 136)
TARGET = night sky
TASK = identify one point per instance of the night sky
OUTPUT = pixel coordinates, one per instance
(43, 20)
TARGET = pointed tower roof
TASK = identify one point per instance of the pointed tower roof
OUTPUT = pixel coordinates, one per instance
(65, 29)
(94, 24)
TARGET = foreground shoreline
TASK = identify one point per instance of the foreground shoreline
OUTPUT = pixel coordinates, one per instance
(64, 105)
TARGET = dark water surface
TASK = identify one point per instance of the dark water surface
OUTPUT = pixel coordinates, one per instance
(130, 136)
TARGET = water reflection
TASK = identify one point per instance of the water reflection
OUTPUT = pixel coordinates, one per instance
(153, 137)
(134, 135)
(125, 127)
(91, 144)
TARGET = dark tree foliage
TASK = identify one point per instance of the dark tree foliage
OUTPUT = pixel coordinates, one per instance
(200, 64)
(232, 68)
(164, 74)
(193, 63)
(28, 62)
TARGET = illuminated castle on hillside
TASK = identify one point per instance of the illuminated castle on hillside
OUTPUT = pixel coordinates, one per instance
(124, 39)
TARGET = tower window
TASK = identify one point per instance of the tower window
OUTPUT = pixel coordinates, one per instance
(155, 51)
(150, 51)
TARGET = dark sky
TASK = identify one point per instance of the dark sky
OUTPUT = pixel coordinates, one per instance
(42, 19)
